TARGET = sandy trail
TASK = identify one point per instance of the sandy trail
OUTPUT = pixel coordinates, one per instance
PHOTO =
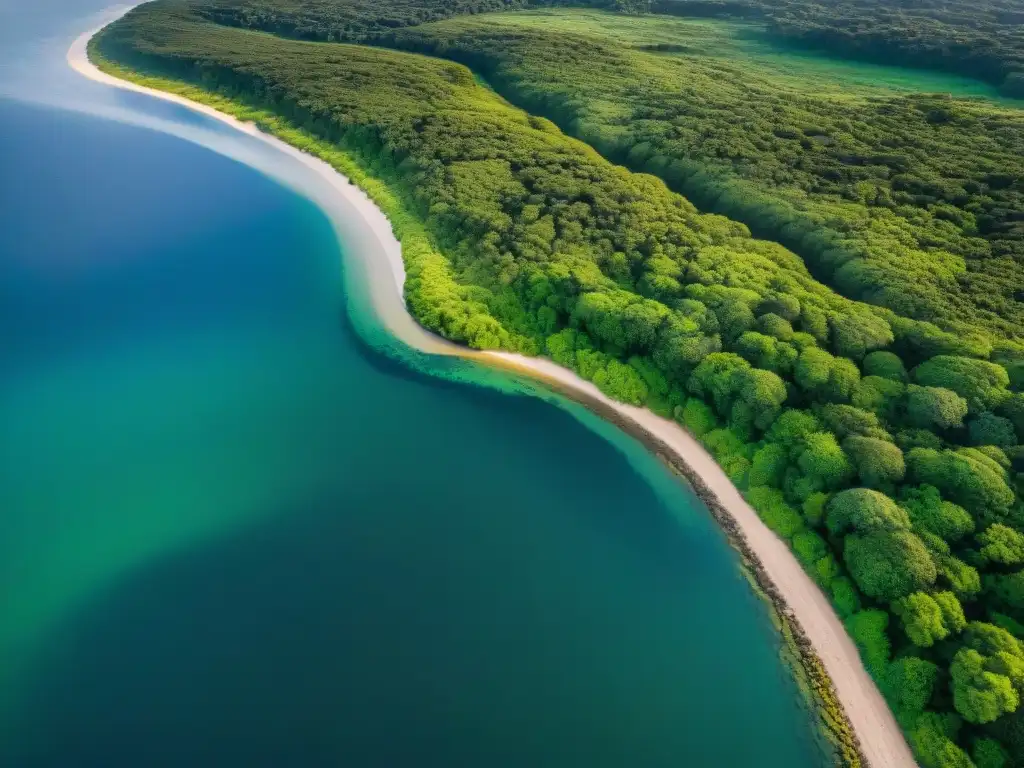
(367, 234)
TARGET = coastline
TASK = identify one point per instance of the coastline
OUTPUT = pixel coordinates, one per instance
(829, 658)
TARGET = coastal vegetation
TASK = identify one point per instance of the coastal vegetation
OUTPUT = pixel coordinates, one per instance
(908, 201)
(868, 401)
(983, 40)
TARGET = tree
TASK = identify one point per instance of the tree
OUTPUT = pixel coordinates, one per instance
(562, 346)
(681, 345)
(867, 629)
(981, 383)
(762, 393)
(655, 381)
(723, 443)
(979, 695)
(863, 510)
(885, 364)
(856, 334)
(589, 362)
(992, 456)
(952, 612)
(1013, 409)
(988, 753)
(766, 352)
(824, 461)
(769, 465)
(792, 428)
(1001, 544)
(771, 324)
(879, 395)
(908, 439)
(734, 317)
(830, 378)
(935, 407)
(620, 318)
(888, 565)
(812, 369)
(782, 304)
(697, 417)
(846, 420)
(1006, 592)
(815, 323)
(814, 508)
(1011, 625)
(932, 737)
(990, 640)
(927, 619)
(809, 548)
(714, 379)
(879, 463)
(908, 685)
(929, 512)
(621, 382)
(777, 514)
(826, 569)
(844, 597)
(1009, 729)
(922, 619)
(989, 429)
(963, 579)
(842, 381)
(974, 484)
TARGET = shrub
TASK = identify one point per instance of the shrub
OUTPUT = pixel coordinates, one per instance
(888, 565)
(867, 628)
(863, 510)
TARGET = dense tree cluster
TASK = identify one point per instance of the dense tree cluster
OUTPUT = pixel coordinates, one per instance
(983, 40)
(329, 20)
(911, 202)
(886, 450)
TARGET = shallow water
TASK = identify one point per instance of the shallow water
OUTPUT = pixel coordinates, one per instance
(233, 531)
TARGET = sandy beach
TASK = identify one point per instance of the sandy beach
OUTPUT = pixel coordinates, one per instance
(367, 235)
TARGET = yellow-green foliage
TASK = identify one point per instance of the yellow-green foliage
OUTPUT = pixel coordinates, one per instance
(903, 200)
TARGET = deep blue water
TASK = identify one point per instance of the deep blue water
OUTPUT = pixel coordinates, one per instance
(234, 533)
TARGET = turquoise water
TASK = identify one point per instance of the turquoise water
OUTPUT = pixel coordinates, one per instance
(234, 532)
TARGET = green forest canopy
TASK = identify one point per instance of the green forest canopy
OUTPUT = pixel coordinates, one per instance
(984, 40)
(981, 39)
(885, 449)
(912, 202)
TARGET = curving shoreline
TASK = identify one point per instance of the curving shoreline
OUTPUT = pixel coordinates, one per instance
(828, 655)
